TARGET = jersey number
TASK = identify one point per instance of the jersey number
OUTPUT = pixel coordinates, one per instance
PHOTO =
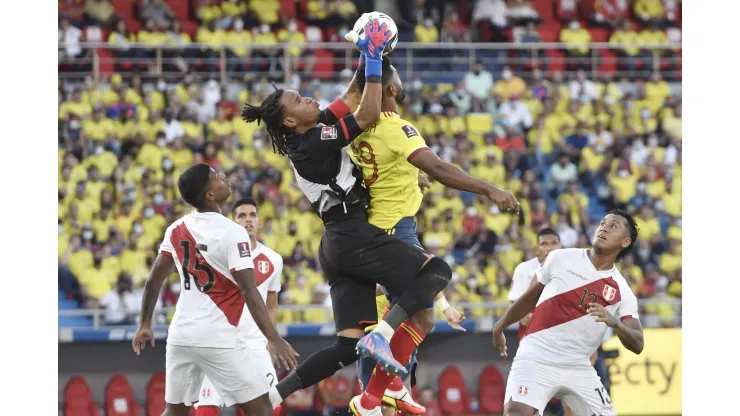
(592, 297)
(362, 148)
(196, 269)
(603, 395)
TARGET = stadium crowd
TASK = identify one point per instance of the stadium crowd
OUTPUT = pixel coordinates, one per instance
(569, 147)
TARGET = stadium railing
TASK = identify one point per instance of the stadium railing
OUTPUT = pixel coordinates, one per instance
(440, 61)
(490, 311)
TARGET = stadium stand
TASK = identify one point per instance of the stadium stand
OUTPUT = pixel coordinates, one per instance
(152, 98)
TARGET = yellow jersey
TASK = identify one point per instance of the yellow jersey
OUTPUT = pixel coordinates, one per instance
(383, 153)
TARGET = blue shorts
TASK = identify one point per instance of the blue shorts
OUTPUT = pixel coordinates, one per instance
(404, 230)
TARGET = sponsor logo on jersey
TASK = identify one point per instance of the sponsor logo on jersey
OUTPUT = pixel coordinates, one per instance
(577, 275)
(243, 249)
(523, 390)
(328, 133)
(608, 293)
(263, 266)
(409, 130)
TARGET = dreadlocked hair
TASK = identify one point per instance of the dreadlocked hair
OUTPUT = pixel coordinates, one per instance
(384, 79)
(271, 113)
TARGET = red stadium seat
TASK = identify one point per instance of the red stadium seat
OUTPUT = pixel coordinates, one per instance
(546, 10)
(454, 398)
(599, 35)
(119, 398)
(287, 8)
(324, 67)
(181, 8)
(124, 8)
(155, 403)
(78, 399)
(491, 390)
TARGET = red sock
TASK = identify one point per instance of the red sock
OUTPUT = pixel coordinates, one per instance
(405, 340)
(208, 411)
(396, 384)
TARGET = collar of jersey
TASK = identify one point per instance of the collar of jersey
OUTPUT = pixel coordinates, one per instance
(389, 114)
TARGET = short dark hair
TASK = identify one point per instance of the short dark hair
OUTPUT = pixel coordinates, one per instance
(632, 226)
(548, 231)
(193, 185)
(271, 113)
(244, 201)
(384, 79)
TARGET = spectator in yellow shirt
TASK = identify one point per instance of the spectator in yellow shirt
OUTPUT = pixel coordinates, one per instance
(577, 39)
(239, 51)
(263, 36)
(267, 11)
(649, 11)
(295, 39)
(426, 32)
(99, 12)
(212, 37)
(510, 85)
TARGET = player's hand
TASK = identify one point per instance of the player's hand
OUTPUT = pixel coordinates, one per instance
(499, 341)
(454, 318)
(143, 334)
(505, 201)
(283, 354)
(601, 314)
(377, 36)
(424, 182)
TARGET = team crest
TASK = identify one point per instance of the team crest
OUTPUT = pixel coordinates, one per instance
(608, 293)
(243, 249)
(523, 390)
(263, 266)
(328, 133)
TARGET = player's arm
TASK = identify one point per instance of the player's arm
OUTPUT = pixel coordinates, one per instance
(630, 334)
(450, 175)
(163, 267)
(626, 323)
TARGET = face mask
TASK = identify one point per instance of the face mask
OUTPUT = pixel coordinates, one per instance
(641, 187)
(679, 223)
(138, 228)
(175, 288)
(238, 25)
(61, 228)
(265, 28)
(74, 124)
(506, 74)
(417, 84)
(600, 148)
(158, 199)
(584, 100)
(493, 210)
(653, 141)
(132, 195)
(428, 22)
(471, 212)
(99, 150)
(161, 143)
(148, 213)
(87, 235)
(292, 27)
(574, 26)
(258, 144)
(161, 85)
(142, 169)
(167, 164)
(660, 205)
(624, 174)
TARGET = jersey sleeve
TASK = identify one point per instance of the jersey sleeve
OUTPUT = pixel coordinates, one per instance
(406, 141)
(325, 140)
(166, 246)
(275, 284)
(336, 111)
(519, 283)
(544, 272)
(238, 249)
(628, 306)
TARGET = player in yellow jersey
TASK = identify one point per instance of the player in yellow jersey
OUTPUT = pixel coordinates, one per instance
(391, 154)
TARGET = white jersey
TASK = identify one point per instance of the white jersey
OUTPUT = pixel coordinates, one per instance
(561, 332)
(210, 247)
(523, 275)
(268, 268)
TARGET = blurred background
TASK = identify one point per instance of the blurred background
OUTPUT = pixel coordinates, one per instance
(574, 105)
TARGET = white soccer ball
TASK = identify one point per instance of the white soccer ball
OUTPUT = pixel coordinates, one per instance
(359, 28)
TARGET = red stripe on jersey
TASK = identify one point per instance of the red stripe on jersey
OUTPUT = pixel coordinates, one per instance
(166, 253)
(224, 293)
(416, 152)
(626, 317)
(339, 108)
(568, 306)
(344, 129)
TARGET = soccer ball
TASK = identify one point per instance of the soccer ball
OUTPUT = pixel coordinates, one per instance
(359, 28)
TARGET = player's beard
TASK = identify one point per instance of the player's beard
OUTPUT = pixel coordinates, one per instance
(400, 96)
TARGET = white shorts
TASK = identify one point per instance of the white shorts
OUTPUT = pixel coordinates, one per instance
(534, 384)
(230, 370)
(260, 370)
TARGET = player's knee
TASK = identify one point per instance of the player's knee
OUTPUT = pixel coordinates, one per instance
(424, 320)
(355, 333)
(513, 408)
(208, 411)
(437, 273)
(344, 350)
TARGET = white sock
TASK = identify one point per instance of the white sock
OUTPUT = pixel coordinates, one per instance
(275, 398)
(384, 330)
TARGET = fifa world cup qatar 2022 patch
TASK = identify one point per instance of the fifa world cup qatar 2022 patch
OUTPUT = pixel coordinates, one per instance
(328, 133)
(409, 130)
(244, 250)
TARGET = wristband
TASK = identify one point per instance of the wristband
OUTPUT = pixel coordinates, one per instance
(373, 67)
(441, 304)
